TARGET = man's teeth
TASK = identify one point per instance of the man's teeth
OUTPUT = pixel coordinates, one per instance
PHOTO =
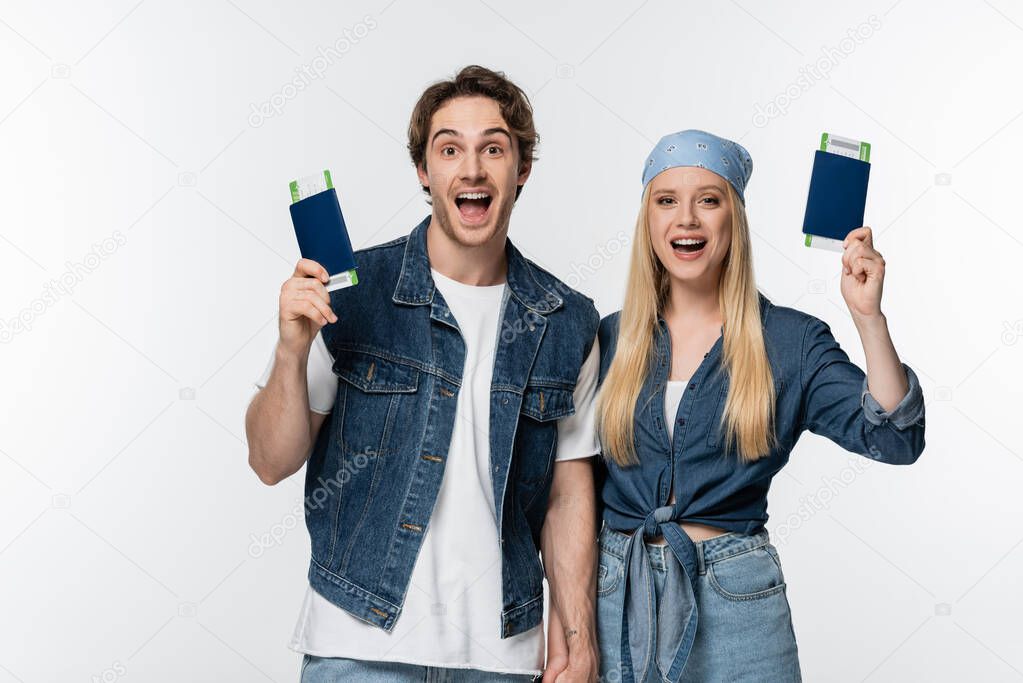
(473, 195)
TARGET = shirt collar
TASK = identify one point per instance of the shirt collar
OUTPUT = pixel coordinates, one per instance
(416, 287)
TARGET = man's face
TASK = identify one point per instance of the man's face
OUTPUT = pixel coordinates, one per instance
(472, 169)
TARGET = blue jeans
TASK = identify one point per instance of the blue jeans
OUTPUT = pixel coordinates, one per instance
(333, 669)
(744, 633)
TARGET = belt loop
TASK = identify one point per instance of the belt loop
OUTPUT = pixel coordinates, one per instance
(701, 566)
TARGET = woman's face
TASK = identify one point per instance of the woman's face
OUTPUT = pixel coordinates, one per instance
(690, 221)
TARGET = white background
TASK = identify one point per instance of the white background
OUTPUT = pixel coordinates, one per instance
(128, 514)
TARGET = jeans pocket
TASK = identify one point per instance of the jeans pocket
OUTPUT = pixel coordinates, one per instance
(750, 575)
(608, 574)
(610, 608)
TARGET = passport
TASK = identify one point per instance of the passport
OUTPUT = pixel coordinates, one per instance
(837, 196)
(321, 231)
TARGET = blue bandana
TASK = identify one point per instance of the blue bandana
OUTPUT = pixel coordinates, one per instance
(728, 159)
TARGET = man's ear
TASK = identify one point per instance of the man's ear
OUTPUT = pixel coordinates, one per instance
(424, 180)
(520, 182)
(524, 169)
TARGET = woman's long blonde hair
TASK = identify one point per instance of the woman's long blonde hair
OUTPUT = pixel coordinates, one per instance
(748, 417)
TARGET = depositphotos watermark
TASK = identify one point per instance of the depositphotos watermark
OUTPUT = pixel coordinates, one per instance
(1012, 332)
(809, 506)
(325, 58)
(317, 498)
(112, 673)
(811, 74)
(579, 273)
(74, 273)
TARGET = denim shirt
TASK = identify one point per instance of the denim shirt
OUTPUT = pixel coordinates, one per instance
(817, 388)
(376, 467)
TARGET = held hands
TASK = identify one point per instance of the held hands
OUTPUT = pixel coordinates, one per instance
(557, 648)
(862, 274)
(304, 305)
(571, 658)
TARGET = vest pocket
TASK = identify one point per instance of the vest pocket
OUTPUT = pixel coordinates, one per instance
(377, 391)
(543, 403)
(537, 437)
(374, 374)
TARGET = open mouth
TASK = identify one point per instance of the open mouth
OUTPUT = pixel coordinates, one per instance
(473, 206)
(688, 245)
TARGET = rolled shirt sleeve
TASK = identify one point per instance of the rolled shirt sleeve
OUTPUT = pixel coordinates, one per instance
(837, 404)
(320, 378)
(909, 411)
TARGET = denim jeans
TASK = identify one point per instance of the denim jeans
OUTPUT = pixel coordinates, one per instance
(745, 630)
(335, 669)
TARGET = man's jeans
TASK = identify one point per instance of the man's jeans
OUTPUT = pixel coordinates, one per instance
(333, 669)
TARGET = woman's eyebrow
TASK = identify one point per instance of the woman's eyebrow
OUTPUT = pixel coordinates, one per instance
(698, 189)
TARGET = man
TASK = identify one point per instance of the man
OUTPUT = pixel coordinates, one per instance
(445, 406)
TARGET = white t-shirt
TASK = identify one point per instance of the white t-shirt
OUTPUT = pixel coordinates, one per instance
(452, 611)
(673, 391)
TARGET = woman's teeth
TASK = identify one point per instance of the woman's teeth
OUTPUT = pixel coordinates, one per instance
(688, 245)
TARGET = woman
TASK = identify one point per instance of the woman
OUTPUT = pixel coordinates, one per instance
(705, 389)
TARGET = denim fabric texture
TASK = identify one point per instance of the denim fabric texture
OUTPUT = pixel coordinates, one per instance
(334, 669)
(376, 468)
(818, 389)
(745, 633)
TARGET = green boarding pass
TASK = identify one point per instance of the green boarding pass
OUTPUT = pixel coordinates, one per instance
(846, 147)
(321, 231)
(310, 185)
(854, 149)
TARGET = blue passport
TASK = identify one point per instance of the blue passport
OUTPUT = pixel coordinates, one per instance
(323, 236)
(837, 198)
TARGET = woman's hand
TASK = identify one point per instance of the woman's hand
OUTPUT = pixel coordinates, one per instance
(862, 274)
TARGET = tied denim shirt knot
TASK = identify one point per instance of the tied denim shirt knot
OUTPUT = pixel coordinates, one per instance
(640, 622)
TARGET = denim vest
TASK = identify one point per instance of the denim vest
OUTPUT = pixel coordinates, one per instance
(817, 388)
(375, 470)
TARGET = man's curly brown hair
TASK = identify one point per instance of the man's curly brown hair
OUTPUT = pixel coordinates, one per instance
(475, 81)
